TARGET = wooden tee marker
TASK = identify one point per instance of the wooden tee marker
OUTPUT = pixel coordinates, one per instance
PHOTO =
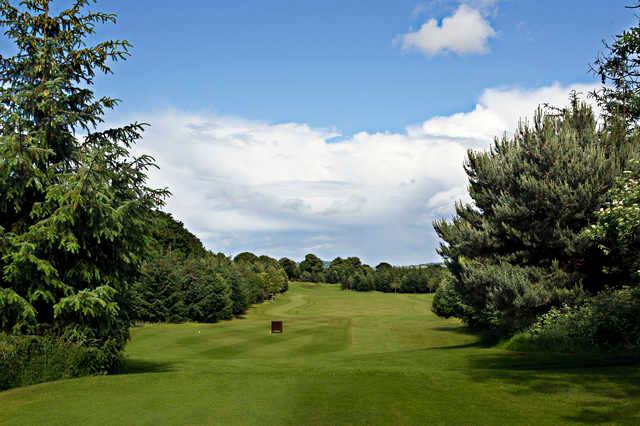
(277, 327)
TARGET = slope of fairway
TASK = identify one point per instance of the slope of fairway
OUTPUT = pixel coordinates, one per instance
(344, 358)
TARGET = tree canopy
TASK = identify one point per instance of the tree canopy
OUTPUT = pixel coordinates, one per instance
(519, 249)
(74, 200)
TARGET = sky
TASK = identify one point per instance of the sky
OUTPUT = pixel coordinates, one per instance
(339, 127)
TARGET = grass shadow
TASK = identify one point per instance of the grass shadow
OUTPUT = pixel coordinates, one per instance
(484, 340)
(608, 385)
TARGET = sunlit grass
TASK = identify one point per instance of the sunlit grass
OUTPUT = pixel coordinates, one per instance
(344, 358)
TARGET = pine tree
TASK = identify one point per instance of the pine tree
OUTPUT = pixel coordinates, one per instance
(74, 203)
(619, 71)
(519, 248)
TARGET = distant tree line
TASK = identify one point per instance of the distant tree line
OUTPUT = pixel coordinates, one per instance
(352, 274)
(182, 281)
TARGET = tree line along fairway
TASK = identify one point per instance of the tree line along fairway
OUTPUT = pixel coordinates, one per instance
(344, 358)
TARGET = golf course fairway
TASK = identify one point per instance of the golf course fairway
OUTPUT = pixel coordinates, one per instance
(344, 358)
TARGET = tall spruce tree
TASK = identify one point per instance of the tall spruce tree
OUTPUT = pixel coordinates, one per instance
(519, 249)
(74, 202)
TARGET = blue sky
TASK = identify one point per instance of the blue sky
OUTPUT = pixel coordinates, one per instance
(333, 63)
(339, 127)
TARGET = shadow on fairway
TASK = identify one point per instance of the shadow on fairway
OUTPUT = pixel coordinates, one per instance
(482, 340)
(140, 366)
(614, 380)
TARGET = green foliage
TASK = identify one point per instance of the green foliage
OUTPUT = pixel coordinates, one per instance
(241, 294)
(290, 268)
(27, 360)
(245, 257)
(361, 279)
(418, 279)
(519, 249)
(446, 302)
(174, 288)
(207, 294)
(312, 269)
(617, 230)
(74, 203)
(170, 235)
(158, 291)
(352, 274)
(340, 269)
(184, 282)
(606, 322)
(618, 68)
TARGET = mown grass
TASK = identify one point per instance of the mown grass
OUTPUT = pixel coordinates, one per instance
(344, 358)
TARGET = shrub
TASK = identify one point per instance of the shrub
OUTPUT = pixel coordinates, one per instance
(27, 360)
(447, 302)
(607, 322)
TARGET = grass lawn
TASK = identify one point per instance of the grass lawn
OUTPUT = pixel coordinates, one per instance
(344, 358)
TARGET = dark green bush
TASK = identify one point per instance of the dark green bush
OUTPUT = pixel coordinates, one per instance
(446, 301)
(27, 360)
(606, 322)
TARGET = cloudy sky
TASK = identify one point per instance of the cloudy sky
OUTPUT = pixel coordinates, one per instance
(339, 127)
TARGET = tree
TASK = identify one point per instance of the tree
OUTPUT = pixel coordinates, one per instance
(158, 291)
(207, 294)
(383, 266)
(290, 268)
(313, 266)
(414, 280)
(519, 250)
(619, 71)
(74, 202)
(240, 292)
(245, 257)
(170, 235)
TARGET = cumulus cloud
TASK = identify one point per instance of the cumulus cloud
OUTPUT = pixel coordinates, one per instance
(465, 32)
(497, 111)
(288, 189)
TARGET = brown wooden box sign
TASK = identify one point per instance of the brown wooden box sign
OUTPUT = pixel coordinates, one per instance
(277, 327)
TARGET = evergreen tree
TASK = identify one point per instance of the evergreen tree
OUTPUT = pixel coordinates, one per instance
(619, 71)
(240, 292)
(519, 248)
(74, 203)
(207, 294)
(170, 235)
(158, 292)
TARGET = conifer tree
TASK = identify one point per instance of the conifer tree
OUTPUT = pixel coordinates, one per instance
(619, 71)
(519, 248)
(74, 202)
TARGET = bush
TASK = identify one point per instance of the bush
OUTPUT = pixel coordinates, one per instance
(607, 322)
(447, 302)
(27, 360)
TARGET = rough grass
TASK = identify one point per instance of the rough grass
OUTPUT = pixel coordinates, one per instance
(344, 358)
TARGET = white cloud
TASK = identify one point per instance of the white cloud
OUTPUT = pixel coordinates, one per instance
(465, 32)
(285, 189)
(497, 111)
